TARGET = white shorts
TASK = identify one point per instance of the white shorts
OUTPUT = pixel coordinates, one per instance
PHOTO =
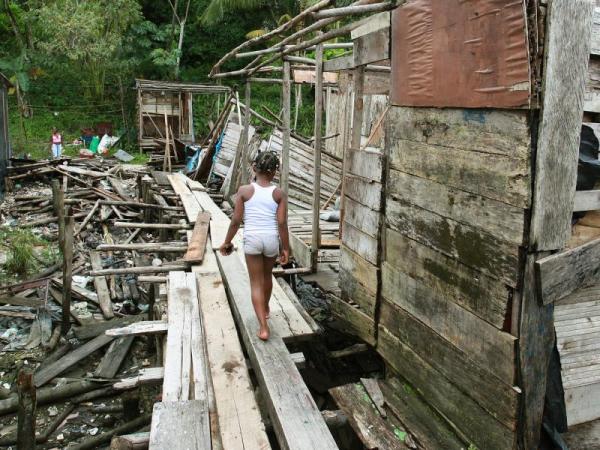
(261, 244)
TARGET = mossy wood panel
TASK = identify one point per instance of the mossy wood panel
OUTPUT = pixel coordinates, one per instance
(366, 163)
(364, 191)
(372, 47)
(497, 177)
(471, 246)
(480, 383)
(486, 345)
(362, 271)
(495, 132)
(484, 296)
(504, 221)
(362, 217)
(472, 421)
(353, 291)
(361, 243)
(422, 420)
(357, 323)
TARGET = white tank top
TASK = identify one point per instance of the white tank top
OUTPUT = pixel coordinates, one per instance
(260, 211)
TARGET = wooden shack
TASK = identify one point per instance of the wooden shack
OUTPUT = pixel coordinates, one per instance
(168, 105)
(457, 221)
(5, 152)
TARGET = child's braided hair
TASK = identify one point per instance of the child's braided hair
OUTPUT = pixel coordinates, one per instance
(266, 162)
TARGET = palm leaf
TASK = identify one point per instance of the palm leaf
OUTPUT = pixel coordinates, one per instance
(216, 9)
(256, 33)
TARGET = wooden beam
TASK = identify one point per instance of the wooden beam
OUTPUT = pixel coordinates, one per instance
(137, 270)
(560, 274)
(586, 201)
(101, 286)
(67, 277)
(197, 243)
(316, 206)
(180, 426)
(568, 31)
(286, 99)
(138, 328)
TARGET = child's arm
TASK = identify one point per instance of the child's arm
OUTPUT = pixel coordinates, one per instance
(283, 228)
(236, 220)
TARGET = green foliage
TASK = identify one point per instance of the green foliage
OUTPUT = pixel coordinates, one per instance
(22, 259)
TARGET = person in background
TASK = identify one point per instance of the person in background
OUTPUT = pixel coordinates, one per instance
(56, 143)
(263, 207)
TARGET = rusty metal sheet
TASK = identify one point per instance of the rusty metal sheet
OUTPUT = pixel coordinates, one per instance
(461, 53)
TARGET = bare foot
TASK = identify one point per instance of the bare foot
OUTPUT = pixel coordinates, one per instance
(263, 333)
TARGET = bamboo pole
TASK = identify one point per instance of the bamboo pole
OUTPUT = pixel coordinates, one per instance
(286, 135)
(265, 37)
(316, 208)
(336, 45)
(353, 10)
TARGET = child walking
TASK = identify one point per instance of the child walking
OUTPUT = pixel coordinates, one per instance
(56, 143)
(263, 208)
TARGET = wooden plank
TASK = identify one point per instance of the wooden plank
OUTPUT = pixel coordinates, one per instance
(565, 74)
(140, 328)
(197, 243)
(499, 219)
(372, 24)
(361, 243)
(352, 290)
(481, 383)
(366, 163)
(318, 144)
(492, 348)
(150, 375)
(297, 421)
(364, 191)
(240, 423)
(582, 404)
(372, 47)
(91, 330)
(101, 286)
(338, 64)
(363, 271)
(472, 247)
(586, 200)
(484, 296)
(561, 274)
(373, 431)
(50, 371)
(356, 322)
(300, 251)
(483, 430)
(113, 358)
(180, 426)
(182, 293)
(536, 342)
(595, 35)
(362, 217)
(190, 204)
(422, 421)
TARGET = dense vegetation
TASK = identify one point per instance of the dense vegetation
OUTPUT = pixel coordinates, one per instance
(73, 62)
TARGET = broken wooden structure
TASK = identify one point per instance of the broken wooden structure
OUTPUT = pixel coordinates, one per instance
(5, 152)
(165, 111)
(458, 188)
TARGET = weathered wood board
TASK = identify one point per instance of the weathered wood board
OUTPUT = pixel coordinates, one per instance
(483, 430)
(364, 191)
(180, 426)
(361, 243)
(484, 296)
(496, 396)
(491, 348)
(357, 322)
(364, 272)
(372, 47)
(560, 274)
(565, 75)
(472, 247)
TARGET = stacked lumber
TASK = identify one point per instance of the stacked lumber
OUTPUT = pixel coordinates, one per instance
(229, 144)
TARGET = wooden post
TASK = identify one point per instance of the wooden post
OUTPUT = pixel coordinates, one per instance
(58, 200)
(140, 119)
(358, 82)
(67, 252)
(316, 207)
(242, 146)
(167, 157)
(567, 52)
(286, 112)
(26, 411)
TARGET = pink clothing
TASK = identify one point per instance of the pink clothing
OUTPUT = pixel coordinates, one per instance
(56, 138)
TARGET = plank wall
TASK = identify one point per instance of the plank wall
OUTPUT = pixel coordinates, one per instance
(457, 195)
(361, 236)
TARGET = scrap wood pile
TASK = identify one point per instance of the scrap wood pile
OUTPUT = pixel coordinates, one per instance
(112, 231)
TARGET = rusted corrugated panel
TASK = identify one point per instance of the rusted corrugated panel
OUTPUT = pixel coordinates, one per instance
(462, 53)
